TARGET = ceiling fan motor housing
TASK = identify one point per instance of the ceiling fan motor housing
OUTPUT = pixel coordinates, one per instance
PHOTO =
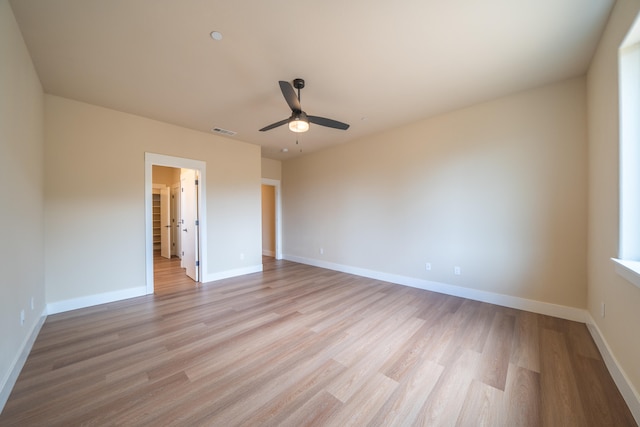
(298, 83)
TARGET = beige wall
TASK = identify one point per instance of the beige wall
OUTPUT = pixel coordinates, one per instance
(21, 195)
(95, 218)
(271, 169)
(165, 175)
(498, 189)
(622, 299)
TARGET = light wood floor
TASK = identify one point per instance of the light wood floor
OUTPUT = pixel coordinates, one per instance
(298, 345)
(169, 277)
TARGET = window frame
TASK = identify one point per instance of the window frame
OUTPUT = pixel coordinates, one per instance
(627, 264)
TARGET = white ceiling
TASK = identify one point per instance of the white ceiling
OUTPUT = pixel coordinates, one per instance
(370, 63)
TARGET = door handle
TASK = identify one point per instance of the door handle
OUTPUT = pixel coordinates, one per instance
(184, 229)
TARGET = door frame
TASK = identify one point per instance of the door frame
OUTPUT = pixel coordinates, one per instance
(276, 183)
(153, 159)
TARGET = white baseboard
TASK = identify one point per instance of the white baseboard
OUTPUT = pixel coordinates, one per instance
(212, 277)
(561, 311)
(91, 300)
(629, 393)
(14, 371)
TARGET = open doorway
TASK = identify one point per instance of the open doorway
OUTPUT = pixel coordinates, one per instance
(175, 212)
(268, 220)
(175, 240)
(271, 219)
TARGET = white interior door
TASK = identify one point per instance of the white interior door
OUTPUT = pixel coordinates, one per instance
(189, 222)
(165, 222)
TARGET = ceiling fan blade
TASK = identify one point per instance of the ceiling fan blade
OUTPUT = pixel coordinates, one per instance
(290, 96)
(323, 121)
(274, 125)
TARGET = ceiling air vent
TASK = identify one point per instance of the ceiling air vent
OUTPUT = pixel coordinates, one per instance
(224, 132)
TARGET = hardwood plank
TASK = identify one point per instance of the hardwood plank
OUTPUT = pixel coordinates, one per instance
(273, 413)
(525, 350)
(497, 351)
(482, 406)
(599, 396)
(369, 339)
(169, 277)
(362, 407)
(462, 327)
(314, 412)
(353, 311)
(561, 402)
(446, 400)
(521, 403)
(134, 398)
(367, 361)
(581, 342)
(403, 406)
(412, 353)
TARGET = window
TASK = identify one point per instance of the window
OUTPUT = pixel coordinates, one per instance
(628, 264)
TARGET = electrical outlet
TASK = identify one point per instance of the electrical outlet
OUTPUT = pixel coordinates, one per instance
(241, 257)
(21, 317)
(456, 270)
(602, 309)
(32, 304)
(321, 251)
(428, 266)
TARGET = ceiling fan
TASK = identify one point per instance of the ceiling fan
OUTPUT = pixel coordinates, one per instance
(299, 120)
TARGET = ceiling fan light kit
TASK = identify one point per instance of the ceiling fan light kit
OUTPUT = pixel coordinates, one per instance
(299, 120)
(298, 126)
